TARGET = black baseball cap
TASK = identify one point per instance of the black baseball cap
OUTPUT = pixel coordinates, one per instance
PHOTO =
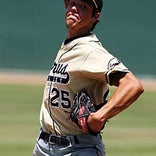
(97, 4)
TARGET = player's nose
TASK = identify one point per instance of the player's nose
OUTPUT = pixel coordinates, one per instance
(74, 8)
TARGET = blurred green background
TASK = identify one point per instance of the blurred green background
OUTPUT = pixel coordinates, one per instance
(31, 32)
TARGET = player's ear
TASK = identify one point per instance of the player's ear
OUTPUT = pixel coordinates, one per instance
(66, 2)
(97, 16)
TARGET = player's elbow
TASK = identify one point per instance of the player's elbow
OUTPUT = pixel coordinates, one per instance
(133, 84)
(137, 87)
(133, 87)
(140, 88)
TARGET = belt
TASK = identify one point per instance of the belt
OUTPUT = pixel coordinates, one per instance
(70, 139)
(56, 139)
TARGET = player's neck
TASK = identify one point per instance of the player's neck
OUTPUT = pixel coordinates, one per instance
(73, 38)
(72, 34)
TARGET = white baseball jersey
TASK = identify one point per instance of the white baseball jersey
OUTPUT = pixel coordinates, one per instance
(82, 63)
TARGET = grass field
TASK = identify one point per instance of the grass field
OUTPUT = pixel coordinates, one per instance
(132, 133)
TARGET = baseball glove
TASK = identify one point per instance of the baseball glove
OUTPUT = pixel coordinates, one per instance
(80, 111)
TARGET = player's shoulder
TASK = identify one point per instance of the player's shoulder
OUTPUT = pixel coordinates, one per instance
(93, 44)
(92, 38)
(90, 42)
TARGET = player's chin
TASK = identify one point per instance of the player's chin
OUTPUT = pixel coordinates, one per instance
(71, 24)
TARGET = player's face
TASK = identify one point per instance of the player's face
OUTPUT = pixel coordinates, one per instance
(79, 16)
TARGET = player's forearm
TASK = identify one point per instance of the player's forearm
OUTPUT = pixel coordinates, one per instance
(118, 103)
(128, 91)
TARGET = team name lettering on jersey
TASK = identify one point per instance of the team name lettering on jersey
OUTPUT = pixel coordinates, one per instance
(59, 97)
(59, 73)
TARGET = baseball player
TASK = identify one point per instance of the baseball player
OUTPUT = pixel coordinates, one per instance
(75, 104)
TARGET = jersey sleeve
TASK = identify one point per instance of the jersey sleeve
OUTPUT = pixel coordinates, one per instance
(99, 64)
